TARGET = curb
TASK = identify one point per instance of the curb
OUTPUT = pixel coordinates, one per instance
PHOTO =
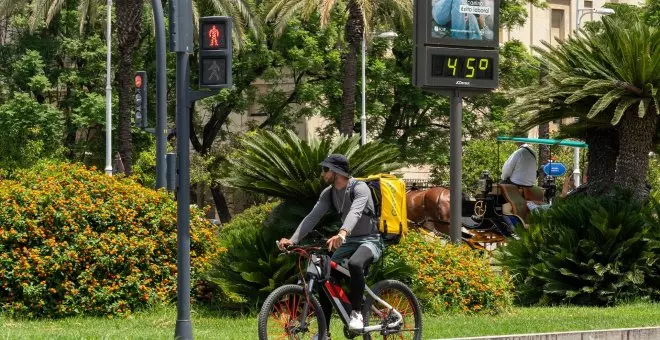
(644, 333)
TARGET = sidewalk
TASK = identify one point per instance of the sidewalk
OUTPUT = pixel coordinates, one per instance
(646, 333)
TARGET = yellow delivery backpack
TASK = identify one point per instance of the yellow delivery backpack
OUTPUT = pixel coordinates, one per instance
(389, 196)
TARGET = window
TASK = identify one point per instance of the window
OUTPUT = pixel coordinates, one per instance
(557, 28)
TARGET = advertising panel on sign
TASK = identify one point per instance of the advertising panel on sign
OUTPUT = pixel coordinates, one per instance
(469, 23)
(463, 19)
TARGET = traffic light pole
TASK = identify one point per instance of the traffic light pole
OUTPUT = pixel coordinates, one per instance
(181, 42)
(161, 93)
(183, 323)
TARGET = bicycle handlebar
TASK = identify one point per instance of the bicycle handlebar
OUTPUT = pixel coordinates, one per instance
(310, 247)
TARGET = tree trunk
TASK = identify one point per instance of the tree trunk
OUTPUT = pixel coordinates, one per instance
(601, 156)
(129, 20)
(353, 31)
(211, 130)
(635, 141)
(544, 129)
(220, 203)
(544, 150)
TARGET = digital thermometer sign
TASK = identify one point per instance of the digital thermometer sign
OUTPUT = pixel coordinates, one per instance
(456, 45)
(461, 67)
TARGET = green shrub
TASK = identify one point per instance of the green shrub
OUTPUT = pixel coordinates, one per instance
(586, 251)
(75, 241)
(248, 267)
(451, 278)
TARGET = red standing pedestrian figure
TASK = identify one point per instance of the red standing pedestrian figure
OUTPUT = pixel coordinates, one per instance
(214, 33)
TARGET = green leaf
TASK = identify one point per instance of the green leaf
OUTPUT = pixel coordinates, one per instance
(621, 109)
(605, 101)
(643, 105)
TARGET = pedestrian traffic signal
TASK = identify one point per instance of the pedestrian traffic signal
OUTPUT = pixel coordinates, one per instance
(215, 50)
(141, 100)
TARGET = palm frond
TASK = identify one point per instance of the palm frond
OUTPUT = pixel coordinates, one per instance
(39, 8)
(326, 10)
(605, 101)
(283, 165)
(621, 109)
(7, 7)
(84, 10)
(245, 20)
(55, 7)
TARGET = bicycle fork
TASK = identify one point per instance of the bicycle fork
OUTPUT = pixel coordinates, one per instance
(309, 290)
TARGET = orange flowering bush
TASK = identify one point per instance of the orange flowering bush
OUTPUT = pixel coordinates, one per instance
(75, 241)
(452, 278)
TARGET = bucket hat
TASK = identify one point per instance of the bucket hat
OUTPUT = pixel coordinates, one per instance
(337, 163)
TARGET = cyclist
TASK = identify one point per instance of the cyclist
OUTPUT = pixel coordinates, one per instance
(358, 239)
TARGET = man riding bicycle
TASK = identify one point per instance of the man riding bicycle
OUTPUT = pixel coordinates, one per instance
(358, 238)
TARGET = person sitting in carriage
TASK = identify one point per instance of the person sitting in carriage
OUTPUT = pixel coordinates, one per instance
(520, 167)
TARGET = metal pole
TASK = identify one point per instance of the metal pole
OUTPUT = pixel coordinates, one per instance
(577, 15)
(576, 151)
(576, 167)
(161, 93)
(456, 164)
(108, 95)
(183, 323)
(171, 172)
(363, 118)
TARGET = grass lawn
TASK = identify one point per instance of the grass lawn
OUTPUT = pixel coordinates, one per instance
(159, 324)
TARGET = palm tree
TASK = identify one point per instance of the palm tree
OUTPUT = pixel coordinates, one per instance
(609, 73)
(389, 13)
(129, 20)
(44, 11)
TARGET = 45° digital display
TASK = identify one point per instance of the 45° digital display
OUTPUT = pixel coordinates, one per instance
(462, 67)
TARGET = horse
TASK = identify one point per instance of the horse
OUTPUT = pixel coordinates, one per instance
(429, 207)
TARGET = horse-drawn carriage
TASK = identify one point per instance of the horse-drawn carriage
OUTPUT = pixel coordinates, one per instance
(495, 211)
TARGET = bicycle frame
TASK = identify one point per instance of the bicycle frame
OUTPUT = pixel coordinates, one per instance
(339, 299)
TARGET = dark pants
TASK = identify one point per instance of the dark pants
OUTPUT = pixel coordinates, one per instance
(356, 265)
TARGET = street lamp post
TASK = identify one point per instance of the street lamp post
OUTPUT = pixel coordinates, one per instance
(578, 20)
(601, 11)
(108, 95)
(363, 118)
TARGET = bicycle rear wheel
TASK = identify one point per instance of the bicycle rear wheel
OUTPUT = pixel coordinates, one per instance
(280, 316)
(399, 296)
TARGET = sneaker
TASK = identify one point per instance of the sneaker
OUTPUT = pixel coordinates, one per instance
(356, 322)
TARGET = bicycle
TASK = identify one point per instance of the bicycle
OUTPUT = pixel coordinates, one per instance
(292, 311)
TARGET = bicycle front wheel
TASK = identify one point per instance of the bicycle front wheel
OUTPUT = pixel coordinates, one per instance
(281, 315)
(401, 298)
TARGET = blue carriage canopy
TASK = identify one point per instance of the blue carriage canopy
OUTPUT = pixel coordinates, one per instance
(559, 142)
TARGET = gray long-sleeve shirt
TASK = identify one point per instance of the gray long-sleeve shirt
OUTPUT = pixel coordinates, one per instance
(354, 221)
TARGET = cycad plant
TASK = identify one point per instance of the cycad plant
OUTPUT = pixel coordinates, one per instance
(588, 251)
(287, 167)
(609, 74)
